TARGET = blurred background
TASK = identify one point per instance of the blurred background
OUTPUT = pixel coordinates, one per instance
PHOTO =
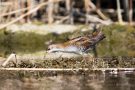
(66, 11)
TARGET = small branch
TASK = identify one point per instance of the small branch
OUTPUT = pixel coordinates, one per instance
(22, 16)
(69, 8)
(6, 3)
(126, 9)
(96, 19)
(26, 14)
(50, 11)
(93, 6)
(62, 20)
(130, 11)
(119, 12)
(87, 8)
(8, 59)
(16, 11)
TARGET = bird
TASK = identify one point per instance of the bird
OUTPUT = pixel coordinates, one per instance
(78, 45)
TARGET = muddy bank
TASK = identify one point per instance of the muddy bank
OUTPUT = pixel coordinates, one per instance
(74, 62)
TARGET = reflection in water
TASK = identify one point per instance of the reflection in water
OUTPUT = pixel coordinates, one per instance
(91, 81)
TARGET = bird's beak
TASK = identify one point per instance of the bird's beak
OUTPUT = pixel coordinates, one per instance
(48, 51)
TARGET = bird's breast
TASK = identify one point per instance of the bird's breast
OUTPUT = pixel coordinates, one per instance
(71, 49)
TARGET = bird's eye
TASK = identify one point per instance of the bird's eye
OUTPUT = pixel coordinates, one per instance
(48, 49)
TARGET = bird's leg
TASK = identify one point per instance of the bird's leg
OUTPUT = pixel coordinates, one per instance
(45, 54)
(60, 55)
(95, 51)
(83, 55)
(16, 59)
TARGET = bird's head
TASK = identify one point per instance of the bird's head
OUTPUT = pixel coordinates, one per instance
(97, 31)
(97, 34)
(53, 48)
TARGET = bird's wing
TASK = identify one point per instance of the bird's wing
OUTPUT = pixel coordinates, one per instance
(80, 41)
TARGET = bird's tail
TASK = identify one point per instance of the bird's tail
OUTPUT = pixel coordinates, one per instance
(96, 30)
(99, 37)
(97, 34)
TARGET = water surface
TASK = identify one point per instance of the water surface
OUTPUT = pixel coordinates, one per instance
(84, 81)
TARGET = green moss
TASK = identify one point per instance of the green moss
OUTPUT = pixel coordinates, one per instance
(118, 39)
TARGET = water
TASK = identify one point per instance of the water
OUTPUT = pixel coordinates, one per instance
(84, 81)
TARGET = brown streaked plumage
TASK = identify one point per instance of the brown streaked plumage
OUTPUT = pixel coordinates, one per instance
(80, 44)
